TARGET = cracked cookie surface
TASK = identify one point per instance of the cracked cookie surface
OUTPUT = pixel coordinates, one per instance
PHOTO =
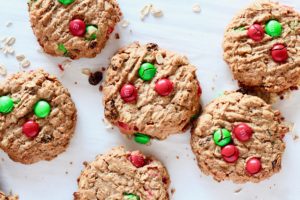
(50, 23)
(266, 142)
(251, 61)
(114, 176)
(151, 114)
(55, 130)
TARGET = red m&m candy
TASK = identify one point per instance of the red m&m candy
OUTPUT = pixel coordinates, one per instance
(128, 93)
(77, 27)
(199, 89)
(230, 153)
(164, 87)
(242, 132)
(137, 159)
(253, 165)
(30, 129)
(256, 32)
(279, 53)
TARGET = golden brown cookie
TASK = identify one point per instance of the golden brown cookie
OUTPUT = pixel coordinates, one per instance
(73, 28)
(120, 174)
(37, 117)
(151, 91)
(7, 197)
(238, 137)
(261, 46)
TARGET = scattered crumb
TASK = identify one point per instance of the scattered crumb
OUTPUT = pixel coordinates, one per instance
(66, 172)
(295, 137)
(9, 41)
(177, 157)
(3, 70)
(103, 69)
(173, 190)
(71, 163)
(101, 88)
(145, 11)
(9, 24)
(75, 82)
(60, 67)
(156, 12)
(86, 71)
(117, 36)
(196, 8)
(124, 23)
(238, 190)
(20, 57)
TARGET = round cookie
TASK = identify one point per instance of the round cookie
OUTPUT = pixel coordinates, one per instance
(151, 91)
(73, 28)
(261, 46)
(5, 197)
(120, 174)
(238, 137)
(41, 121)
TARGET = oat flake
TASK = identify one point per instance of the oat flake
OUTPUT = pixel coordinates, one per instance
(196, 8)
(3, 70)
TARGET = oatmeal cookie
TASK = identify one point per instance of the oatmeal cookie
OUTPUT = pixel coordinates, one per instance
(238, 137)
(73, 28)
(37, 117)
(120, 174)
(151, 91)
(262, 47)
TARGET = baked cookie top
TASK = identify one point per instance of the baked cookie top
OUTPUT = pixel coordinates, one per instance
(262, 47)
(239, 137)
(7, 197)
(73, 28)
(151, 91)
(120, 174)
(37, 117)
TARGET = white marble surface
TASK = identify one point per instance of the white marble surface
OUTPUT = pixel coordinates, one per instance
(199, 36)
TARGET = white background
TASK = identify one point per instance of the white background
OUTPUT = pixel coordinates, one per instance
(199, 36)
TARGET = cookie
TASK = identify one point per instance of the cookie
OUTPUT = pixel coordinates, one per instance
(238, 137)
(151, 91)
(120, 174)
(261, 46)
(5, 197)
(73, 28)
(37, 117)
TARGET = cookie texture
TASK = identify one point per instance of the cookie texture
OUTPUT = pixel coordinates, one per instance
(251, 61)
(266, 142)
(151, 114)
(7, 197)
(50, 22)
(114, 176)
(55, 130)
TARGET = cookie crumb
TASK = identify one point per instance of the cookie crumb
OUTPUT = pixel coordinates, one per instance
(75, 82)
(103, 69)
(196, 8)
(156, 12)
(66, 172)
(177, 157)
(145, 11)
(124, 23)
(25, 63)
(173, 190)
(86, 71)
(117, 36)
(71, 163)
(95, 78)
(3, 70)
(101, 88)
(295, 137)
(238, 190)
(20, 57)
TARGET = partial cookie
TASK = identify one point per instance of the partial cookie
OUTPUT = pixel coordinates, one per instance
(5, 197)
(239, 137)
(73, 28)
(151, 91)
(120, 174)
(262, 47)
(37, 117)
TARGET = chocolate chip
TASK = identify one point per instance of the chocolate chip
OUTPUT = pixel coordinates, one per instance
(95, 78)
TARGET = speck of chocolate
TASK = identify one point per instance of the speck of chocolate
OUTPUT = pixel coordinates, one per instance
(67, 172)
(71, 163)
(75, 83)
(103, 69)
(95, 78)
(173, 190)
(117, 36)
(60, 67)
(101, 88)
(177, 157)
(281, 97)
(294, 88)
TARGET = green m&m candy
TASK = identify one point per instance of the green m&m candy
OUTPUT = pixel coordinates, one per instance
(130, 196)
(6, 104)
(62, 48)
(222, 137)
(273, 28)
(91, 32)
(42, 109)
(66, 2)
(147, 71)
(141, 138)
